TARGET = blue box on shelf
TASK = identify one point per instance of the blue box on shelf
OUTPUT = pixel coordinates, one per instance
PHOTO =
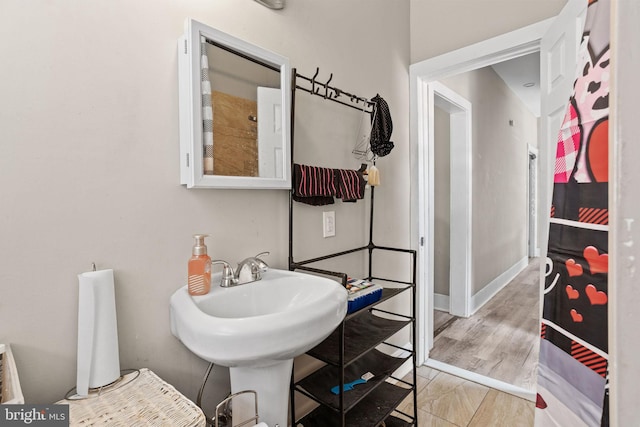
(361, 294)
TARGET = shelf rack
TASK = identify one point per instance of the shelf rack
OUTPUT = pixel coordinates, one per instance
(355, 346)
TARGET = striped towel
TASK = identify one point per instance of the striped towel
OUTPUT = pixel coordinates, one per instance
(314, 181)
(350, 184)
(318, 186)
(313, 185)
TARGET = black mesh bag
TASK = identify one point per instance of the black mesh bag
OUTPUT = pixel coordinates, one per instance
(381, 127)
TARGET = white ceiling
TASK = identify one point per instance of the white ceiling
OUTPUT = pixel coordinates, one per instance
(520, 71)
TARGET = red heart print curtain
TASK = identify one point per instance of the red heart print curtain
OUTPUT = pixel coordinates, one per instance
(572, 372)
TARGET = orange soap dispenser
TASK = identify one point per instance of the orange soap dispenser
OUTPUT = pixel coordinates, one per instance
(199, 282)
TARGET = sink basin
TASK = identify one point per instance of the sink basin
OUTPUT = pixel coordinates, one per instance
(256, 329)
(276, 318)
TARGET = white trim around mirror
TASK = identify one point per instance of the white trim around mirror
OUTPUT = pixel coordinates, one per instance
(190, 106)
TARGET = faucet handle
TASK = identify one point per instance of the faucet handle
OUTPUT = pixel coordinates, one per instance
(261, 264)
(228, 278)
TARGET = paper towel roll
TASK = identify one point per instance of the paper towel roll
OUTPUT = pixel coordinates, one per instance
(261, 425)
(98, 357)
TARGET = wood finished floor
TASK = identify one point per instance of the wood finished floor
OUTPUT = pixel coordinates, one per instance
(445, 400)
(441, 320)
(501, 340)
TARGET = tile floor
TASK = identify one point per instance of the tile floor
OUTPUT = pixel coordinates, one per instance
(445, 400)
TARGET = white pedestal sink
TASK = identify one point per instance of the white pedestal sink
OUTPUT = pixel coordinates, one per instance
(256, 330)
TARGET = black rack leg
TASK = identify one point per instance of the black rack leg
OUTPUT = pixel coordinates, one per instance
(343, 421)
(292, 399)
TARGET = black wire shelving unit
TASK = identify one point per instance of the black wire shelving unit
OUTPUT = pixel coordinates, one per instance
(360, 343)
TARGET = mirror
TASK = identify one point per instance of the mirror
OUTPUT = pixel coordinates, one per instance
(234, 112)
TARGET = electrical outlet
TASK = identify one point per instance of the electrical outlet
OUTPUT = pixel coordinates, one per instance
(328, 224)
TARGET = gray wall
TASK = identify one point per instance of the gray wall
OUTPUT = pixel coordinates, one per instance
(500, 169)
(89, 166)
(440, 26)
(442, 201)
(234, 75)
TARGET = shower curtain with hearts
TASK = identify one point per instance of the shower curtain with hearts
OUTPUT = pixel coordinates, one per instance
(572, 372)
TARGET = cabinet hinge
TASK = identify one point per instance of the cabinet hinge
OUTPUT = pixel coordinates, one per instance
(422, 241)
(187, 159)
(185, 47)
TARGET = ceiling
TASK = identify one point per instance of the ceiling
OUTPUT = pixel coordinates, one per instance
(520, 71)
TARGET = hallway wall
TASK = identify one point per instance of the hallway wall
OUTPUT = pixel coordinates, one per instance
(442, 200)
(499, 173)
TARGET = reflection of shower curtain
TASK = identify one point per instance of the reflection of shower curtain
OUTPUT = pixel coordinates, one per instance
(207, 110)
(572, 373)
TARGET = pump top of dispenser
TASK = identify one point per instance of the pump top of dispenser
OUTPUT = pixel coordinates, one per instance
(200, 248)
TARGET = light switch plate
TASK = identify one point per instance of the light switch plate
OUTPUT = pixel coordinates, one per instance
(328, 224)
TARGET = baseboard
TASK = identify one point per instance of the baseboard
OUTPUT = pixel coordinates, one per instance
(441, 302)
(493, 287)
(520, 392)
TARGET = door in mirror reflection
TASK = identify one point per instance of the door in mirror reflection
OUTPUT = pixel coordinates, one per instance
(270, 132)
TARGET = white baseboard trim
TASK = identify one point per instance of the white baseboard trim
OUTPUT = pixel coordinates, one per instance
(441, 302)
(493, 287)
(520, 392)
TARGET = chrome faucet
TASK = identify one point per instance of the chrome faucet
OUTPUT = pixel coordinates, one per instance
(248, 270)
(253, 266)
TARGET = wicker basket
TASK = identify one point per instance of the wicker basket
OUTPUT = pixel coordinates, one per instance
(145, 400)
(11, 392)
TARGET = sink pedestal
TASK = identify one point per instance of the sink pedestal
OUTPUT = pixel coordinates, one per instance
(249, 329)
(271, 382)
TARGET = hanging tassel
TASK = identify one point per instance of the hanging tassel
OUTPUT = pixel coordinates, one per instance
(374, 176)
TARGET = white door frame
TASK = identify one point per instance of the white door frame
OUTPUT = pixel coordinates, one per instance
(460, 135)
(507, 46)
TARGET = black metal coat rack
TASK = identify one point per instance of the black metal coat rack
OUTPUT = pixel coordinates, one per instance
(325, 90)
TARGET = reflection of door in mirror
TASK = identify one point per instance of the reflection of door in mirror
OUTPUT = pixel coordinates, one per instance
(270, 132)
(238, 133)
(235, 148)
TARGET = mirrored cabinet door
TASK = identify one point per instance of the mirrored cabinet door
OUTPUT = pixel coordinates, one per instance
(234, 112)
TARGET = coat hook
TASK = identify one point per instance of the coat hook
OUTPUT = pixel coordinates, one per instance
(326, 86)
(313, 81)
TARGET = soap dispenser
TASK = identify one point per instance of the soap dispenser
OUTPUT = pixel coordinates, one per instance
(199, 282)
